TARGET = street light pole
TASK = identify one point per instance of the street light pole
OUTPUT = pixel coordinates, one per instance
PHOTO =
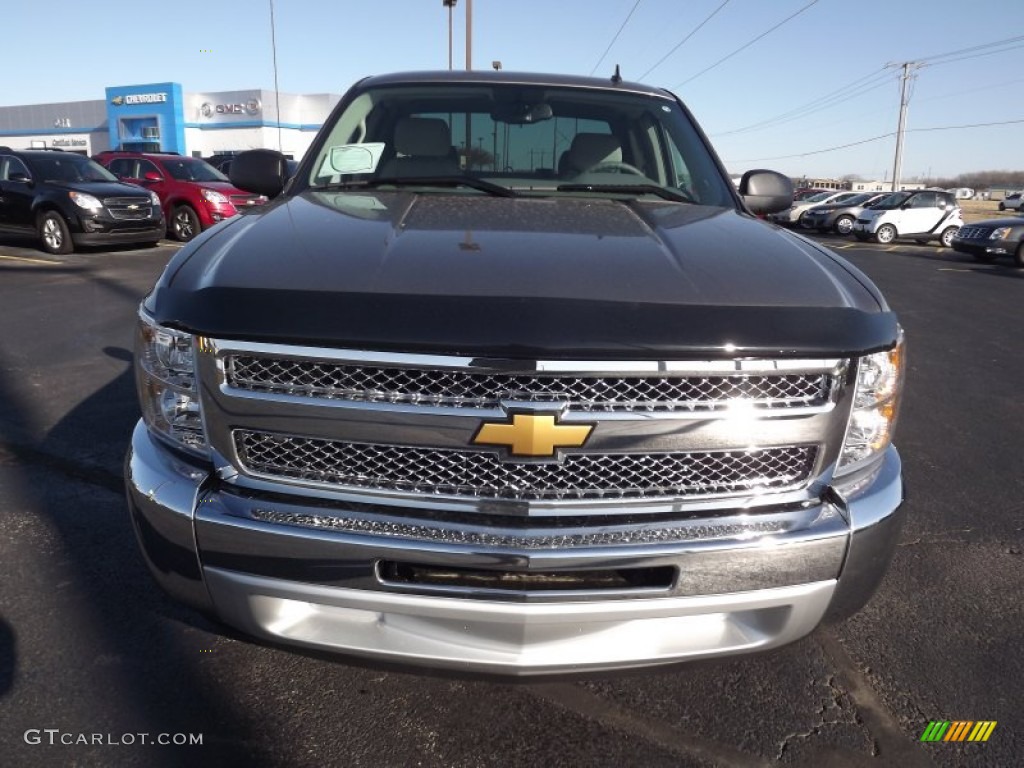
(449, 4)
(277, 91)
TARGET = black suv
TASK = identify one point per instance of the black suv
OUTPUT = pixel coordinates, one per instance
(69, 200)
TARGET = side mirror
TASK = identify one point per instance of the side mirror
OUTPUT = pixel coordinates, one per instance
(263, 171)
(152, 176)
(766, 191)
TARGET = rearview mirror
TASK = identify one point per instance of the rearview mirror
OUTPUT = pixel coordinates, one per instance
(520, 113)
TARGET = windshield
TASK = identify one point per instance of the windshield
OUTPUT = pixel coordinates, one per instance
(65, 166)
(192, 169)
(892, 201)
(856, 199)
(528, 139)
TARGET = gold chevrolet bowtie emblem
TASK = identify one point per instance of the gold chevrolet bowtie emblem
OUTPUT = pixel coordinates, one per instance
(530, 435)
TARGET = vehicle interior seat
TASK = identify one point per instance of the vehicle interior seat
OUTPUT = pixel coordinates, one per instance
(587, 151)
(423, 147)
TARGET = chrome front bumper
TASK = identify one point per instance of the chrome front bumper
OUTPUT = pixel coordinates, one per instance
(744, 582)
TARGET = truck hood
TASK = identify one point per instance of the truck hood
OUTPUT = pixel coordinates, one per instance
(522, 278)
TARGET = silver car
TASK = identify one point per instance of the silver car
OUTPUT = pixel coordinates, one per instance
(839, 217)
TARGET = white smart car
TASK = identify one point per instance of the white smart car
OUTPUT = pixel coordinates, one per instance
(922, 215)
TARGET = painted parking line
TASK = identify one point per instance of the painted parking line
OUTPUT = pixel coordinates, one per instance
(29, 260)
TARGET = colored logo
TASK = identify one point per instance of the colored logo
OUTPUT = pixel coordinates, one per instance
(958, 730)
(533, 435)
(117, 101)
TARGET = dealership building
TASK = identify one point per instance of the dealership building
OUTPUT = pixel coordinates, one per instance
(160, 117)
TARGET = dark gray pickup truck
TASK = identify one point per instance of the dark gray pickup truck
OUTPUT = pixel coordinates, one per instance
(509, 378)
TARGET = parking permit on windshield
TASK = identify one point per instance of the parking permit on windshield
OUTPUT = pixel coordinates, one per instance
(354, 158)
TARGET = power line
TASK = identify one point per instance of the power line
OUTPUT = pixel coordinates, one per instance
(745, 46)
(628, 17)
(838, 96)
(818, 151)
(967, 125)
(879, 138)
(975, 56)
(972, 91)
(859, 87)
(680, 43)
(1017, 39)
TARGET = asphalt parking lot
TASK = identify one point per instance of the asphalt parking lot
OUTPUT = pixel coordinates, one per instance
(90, 646)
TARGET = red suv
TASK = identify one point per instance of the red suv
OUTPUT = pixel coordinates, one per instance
(194, 195)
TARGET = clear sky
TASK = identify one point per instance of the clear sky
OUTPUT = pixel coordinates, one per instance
(816, 82)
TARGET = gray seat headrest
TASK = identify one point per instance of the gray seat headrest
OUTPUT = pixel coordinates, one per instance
(590, 149)
(422, 137)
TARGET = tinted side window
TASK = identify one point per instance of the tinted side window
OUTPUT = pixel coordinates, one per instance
(145, 166)
(122, 166)
(11, 166)
(924, 200)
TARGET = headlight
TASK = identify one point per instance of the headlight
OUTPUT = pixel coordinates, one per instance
(1000, 234)
(83, 200)
(212, 196)
(875, 407)
(155, 199)
(166, 380)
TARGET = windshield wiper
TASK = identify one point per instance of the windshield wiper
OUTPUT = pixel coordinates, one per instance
(426, 181)
(664, 193)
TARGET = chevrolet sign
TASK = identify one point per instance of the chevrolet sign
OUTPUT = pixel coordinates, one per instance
(145, 98)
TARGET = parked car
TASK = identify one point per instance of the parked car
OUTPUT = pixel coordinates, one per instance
(68, 200)
(803, 193)
(921, 215)
(486, 417)
(194, 194)
(791, 216)
(839, 216)
(1012, 202)
(985, 240)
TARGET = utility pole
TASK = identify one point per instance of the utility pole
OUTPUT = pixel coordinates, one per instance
(469, 35)
(901, 128)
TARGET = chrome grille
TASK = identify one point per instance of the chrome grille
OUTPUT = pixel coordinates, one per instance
(461, 388)
(120, 207)
(604, 534)
(974, 233)
(483, 475)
